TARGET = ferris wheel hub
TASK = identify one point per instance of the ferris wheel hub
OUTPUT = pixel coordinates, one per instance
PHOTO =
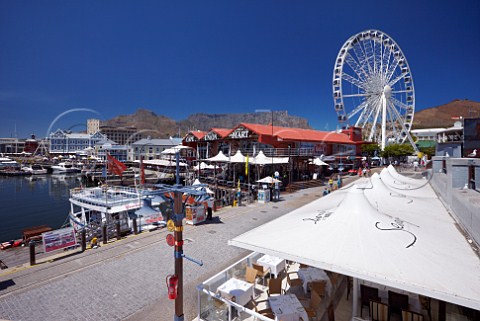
(387, 91)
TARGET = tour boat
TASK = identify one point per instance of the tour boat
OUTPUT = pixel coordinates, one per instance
(91, 208)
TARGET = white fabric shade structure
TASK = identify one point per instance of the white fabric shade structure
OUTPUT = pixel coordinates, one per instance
(173, 150)
(204, 188)
(161, 162)
(389, 230)
(269, 180)
(238, 158)
(203, 165)
(318, 162)
(261, 159)
(220, 157)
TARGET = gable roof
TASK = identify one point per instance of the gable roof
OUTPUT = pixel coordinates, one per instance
(298, 134)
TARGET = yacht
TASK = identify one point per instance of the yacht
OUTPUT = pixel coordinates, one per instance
(64, 167)
(34, 169)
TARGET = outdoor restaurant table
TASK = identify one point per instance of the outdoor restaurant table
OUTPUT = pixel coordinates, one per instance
(243, 291)
(310, 274)
(275, 264)
(287, 308)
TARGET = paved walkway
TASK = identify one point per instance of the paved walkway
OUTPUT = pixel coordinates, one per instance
(125, 280)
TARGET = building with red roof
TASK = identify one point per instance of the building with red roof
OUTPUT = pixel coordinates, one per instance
(299, 144)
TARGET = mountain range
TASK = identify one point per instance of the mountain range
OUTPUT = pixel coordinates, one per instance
(143, 119)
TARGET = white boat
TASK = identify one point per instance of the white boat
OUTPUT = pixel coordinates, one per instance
(6, 162)
(64, 167)
(35, 169)
(91, 208)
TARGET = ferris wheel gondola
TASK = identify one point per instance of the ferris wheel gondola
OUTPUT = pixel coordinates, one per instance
(373, 88)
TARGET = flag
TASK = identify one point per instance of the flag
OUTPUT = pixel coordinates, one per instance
(246, 166)
(115, 166)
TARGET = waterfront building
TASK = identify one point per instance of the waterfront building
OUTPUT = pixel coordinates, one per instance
(341, 148)
(151, 148)
(31, 145)
(63, 142)
(11, 145)
(93, 126)
(104, 146)
(121, 135)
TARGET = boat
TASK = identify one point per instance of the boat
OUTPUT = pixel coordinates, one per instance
(91, 208)
(35, 169)
(64, 167)
(6, 162)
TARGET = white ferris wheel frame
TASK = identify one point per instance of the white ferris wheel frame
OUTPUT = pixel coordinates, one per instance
(374, 66)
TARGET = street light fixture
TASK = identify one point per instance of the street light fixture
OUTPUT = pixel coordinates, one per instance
(271, 154)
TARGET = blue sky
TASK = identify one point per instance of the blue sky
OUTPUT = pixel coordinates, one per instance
(181, 57)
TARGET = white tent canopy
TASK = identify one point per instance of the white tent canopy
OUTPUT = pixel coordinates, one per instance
(317, 161)
(161, 162)
(203, 165)
(261, 159)
(174, 150)
(380, 231)
(269, 180)
(220, 157)
(237, 158)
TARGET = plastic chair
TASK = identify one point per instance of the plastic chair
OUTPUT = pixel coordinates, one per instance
(411, 316)
(274, 286)
(379, 311)
(367, 293)
(397, 302)
(261, 271)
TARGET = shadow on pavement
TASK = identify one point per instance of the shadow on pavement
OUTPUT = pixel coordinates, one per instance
(6, 284)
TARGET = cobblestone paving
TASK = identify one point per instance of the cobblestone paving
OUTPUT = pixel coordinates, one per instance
(131, 284)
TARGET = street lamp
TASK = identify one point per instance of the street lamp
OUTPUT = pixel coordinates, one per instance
(271, 155)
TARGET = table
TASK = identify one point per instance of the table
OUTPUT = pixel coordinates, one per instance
(243, 291)
(275, 264)
(287, 308)
(310, 274)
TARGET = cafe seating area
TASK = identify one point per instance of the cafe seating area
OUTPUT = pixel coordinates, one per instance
(264, 287)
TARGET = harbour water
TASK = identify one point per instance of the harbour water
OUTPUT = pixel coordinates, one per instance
(27, 201)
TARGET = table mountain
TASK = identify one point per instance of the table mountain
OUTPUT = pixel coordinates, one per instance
(441, 116)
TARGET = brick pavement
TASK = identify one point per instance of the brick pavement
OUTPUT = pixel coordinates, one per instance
(125, 280)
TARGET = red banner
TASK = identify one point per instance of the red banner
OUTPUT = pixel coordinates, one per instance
(115, 166)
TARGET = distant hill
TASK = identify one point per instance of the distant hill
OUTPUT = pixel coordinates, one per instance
(163, 126)
(441, 116)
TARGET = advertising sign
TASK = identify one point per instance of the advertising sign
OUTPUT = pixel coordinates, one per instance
(59, 239)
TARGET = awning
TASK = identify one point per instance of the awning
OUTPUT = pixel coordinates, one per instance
(388, 229)
(220, 157)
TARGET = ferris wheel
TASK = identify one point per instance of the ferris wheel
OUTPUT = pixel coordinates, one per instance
(373, 88)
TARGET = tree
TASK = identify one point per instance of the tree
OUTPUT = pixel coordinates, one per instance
(397, 151)
(370, 150)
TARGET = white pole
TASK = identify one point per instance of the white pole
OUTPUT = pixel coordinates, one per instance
(384, 120)
(355, 297)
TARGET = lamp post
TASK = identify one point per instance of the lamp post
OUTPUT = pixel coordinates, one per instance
(271, 154)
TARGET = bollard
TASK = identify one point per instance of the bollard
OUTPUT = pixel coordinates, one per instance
(104, 234)
(32, 253)
(84, 241)
(119, 234)
(135, 227)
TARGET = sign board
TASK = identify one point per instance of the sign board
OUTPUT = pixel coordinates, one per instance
(240, 132)
(59, 239)
(211, 136)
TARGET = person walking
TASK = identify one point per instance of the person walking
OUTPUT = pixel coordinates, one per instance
(210, 208)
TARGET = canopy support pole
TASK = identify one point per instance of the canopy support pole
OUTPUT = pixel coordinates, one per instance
(355, 298)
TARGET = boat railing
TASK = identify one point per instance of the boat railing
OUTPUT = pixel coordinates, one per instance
(111, 195)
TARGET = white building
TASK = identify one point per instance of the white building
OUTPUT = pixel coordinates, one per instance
(62, 142)
(151, 148)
